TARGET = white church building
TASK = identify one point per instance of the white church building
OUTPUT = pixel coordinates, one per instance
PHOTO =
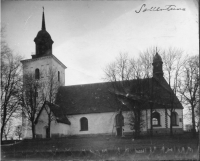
(92, 109)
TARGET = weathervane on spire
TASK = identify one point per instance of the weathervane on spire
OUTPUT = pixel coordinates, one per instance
(43, 8)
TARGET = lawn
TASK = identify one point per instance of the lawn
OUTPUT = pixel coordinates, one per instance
(104, 147)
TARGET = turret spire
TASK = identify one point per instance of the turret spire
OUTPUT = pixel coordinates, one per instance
(43, 21)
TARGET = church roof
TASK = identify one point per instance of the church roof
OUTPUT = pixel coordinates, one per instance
(59, 113)
(88, 98)
(100, 97)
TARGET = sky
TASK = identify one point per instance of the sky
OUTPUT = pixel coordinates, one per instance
(88, 35)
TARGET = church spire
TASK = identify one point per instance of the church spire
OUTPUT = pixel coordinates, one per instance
(43, 41)
(43, 21)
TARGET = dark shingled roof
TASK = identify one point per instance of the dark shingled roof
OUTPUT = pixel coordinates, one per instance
(88, 98)
(100, 97)
(59, 113)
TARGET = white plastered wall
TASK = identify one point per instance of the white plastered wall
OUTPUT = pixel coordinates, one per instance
(98, 123)
(56, 128)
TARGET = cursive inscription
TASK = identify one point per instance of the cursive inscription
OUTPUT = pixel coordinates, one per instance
(143, 8)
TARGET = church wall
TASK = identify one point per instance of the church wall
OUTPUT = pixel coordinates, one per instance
(98, 123)
(57, 129)
(180, 115)
(162, 129)
(101, 123)
(61, 70)
(43, 64)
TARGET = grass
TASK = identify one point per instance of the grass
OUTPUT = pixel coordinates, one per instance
(104, 147)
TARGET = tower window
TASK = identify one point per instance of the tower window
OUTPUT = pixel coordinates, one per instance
(37, 73)
(84, 124)
(58, 76)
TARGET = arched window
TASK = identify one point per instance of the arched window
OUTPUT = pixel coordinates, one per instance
(156, 119)
(37, 73)
(58, 76)
(84, 124)
(174, 119)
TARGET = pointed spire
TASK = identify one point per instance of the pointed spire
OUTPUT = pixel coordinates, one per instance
(43, 21)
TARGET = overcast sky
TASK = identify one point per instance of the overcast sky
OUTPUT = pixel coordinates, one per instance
(88, 35)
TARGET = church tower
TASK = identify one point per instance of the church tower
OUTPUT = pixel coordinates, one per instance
(157, 66)
(44, 60)
(43, 68)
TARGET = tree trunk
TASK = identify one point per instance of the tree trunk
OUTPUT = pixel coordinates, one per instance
(2, 128)
(33, 130)
(151, 130)
(49, 126)
(193, 123)
(3, 122)
(171, 129)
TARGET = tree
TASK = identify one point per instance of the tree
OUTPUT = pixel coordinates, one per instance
(31, 99)
(8, 129)
(189, 88)
(36, 92)
(148, 87)
(121, 73)
(173, 64)
(18, 131)
(50, 86)
(10, 84)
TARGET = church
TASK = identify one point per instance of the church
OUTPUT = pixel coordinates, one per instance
(93, 109)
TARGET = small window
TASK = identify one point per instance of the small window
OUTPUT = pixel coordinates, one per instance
(156, 119)
(37, 73)
(58, 76)
(180, 119)
(84, 124)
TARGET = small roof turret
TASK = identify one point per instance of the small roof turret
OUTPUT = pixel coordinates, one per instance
(157, 58)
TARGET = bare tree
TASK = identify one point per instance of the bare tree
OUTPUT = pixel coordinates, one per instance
(174, 62)
(148, 88)
(10, 84)
(50, 88)
(8, 129)
(189, 88)
(121, 73)
(31, 99)
(18, 131)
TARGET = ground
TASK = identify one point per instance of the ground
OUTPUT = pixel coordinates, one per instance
(104, 147)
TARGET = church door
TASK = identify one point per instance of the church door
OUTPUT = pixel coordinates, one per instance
(47, 132)
(119, 131)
